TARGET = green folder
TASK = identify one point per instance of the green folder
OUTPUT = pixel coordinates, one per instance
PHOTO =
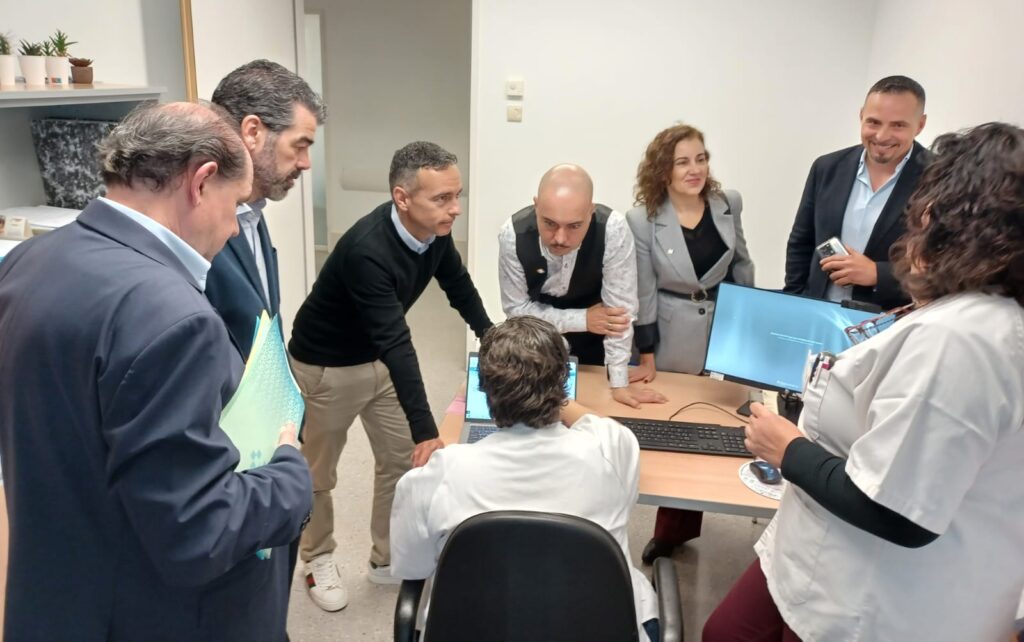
(267, 397)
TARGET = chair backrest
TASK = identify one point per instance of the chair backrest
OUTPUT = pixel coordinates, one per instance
(519, 575)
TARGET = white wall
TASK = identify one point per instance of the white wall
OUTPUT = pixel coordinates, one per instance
(969, 59)
(773, 86)
(396, 71)
(147, 50)
(131, 41)
(221, 45)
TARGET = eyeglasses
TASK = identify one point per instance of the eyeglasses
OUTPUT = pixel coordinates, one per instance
(870, 327)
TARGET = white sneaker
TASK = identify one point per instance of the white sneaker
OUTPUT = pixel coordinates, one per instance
(324, 584)
(381, 574)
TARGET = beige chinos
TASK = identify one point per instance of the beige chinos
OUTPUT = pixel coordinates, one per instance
(334, 398)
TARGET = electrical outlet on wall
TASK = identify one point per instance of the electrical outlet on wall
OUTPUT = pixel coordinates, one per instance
(514, 87)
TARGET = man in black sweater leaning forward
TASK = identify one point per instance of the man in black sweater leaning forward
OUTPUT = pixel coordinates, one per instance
(352, 352)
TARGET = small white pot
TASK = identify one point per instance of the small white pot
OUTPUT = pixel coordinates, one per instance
(33, 68)
(8, 70)
(58, 70)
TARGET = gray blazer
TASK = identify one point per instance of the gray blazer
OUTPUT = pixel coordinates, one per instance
(666, 279)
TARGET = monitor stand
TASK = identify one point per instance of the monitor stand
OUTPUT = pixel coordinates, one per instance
(790, 405)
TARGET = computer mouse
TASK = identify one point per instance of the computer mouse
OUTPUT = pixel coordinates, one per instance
(765, 472)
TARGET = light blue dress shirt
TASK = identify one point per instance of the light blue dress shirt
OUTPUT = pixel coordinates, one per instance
(193, 261)
(410, 241)
(862, 212)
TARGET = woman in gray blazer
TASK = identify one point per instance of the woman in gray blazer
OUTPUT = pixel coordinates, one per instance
(688, 240)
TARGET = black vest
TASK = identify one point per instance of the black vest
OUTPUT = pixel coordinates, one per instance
(584, 285)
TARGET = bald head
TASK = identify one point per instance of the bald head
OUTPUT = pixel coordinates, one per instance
(565, 207)
(566, 179)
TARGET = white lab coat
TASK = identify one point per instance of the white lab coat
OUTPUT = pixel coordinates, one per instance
(929, 414)
(590, 470)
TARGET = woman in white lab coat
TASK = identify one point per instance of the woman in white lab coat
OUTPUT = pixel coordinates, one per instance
(904, 515)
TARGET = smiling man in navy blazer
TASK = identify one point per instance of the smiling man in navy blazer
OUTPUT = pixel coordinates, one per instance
(128, 521)
(859, 194)
(277, 114)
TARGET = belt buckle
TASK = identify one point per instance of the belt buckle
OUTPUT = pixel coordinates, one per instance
(699, 296)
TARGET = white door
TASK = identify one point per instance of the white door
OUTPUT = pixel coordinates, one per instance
(226, 34)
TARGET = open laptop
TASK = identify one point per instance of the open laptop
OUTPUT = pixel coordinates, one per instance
(478, 422)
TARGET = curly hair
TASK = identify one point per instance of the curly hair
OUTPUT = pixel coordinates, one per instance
(523, 372)
(654, 171)
(965, 221)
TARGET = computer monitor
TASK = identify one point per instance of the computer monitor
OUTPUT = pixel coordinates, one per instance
(762, 337)
(476, 400)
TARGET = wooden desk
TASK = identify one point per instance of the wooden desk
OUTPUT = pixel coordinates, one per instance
(679, 480)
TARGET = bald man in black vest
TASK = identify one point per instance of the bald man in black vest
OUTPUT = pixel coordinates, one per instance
(572, 263)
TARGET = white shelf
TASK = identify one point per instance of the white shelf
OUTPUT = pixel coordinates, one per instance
(22, 96)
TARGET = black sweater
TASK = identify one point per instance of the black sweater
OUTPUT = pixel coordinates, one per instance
(355, 313)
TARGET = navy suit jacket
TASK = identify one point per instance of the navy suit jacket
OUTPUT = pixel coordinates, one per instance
(233, 287)
(820, 216)
(127, 520)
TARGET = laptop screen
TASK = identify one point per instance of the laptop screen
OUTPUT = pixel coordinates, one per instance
(762, 338)
(476, 400)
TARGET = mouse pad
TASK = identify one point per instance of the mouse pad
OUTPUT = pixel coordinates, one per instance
(771, 491)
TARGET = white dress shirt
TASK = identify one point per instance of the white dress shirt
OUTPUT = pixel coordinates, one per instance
(930, 417)
(618, 289)
(249, 215)
(591, 470)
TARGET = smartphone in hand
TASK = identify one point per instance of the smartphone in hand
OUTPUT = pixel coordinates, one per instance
(832, 247)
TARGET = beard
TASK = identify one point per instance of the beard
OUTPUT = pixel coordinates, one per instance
(265, 177)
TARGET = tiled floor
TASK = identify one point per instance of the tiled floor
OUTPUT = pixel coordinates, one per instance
(707, 567)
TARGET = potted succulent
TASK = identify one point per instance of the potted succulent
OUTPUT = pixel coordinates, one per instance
(33, 64)
(8, 65)
(58, 69)
(81, 71)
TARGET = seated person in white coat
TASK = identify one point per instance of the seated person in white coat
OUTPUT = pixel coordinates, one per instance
(572, 263)
(587, 466)
(904, 517)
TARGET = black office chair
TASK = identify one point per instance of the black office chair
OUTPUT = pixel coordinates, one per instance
(522, 576)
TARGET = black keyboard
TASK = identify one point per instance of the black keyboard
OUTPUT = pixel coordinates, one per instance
(686, 437)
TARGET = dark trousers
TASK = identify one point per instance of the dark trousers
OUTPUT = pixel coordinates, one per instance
(675, 525)
(748, 613)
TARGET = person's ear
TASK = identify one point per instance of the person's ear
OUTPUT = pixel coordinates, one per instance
(253, 133)
(920, 126)
(198, 181)
(401, 198)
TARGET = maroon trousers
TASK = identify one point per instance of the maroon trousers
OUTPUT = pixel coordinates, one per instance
(675, 525)
(748, 613)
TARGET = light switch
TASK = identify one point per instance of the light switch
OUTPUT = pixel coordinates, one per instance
(514, 113)
(514, 87)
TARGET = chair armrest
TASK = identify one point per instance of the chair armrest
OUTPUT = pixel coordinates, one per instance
(670, 606)
(405, 610)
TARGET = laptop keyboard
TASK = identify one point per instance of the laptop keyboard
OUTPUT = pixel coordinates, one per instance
(479, 431)
(686, 437)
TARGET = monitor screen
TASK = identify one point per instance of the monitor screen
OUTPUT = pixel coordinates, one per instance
(762, 338)
(476, 400)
